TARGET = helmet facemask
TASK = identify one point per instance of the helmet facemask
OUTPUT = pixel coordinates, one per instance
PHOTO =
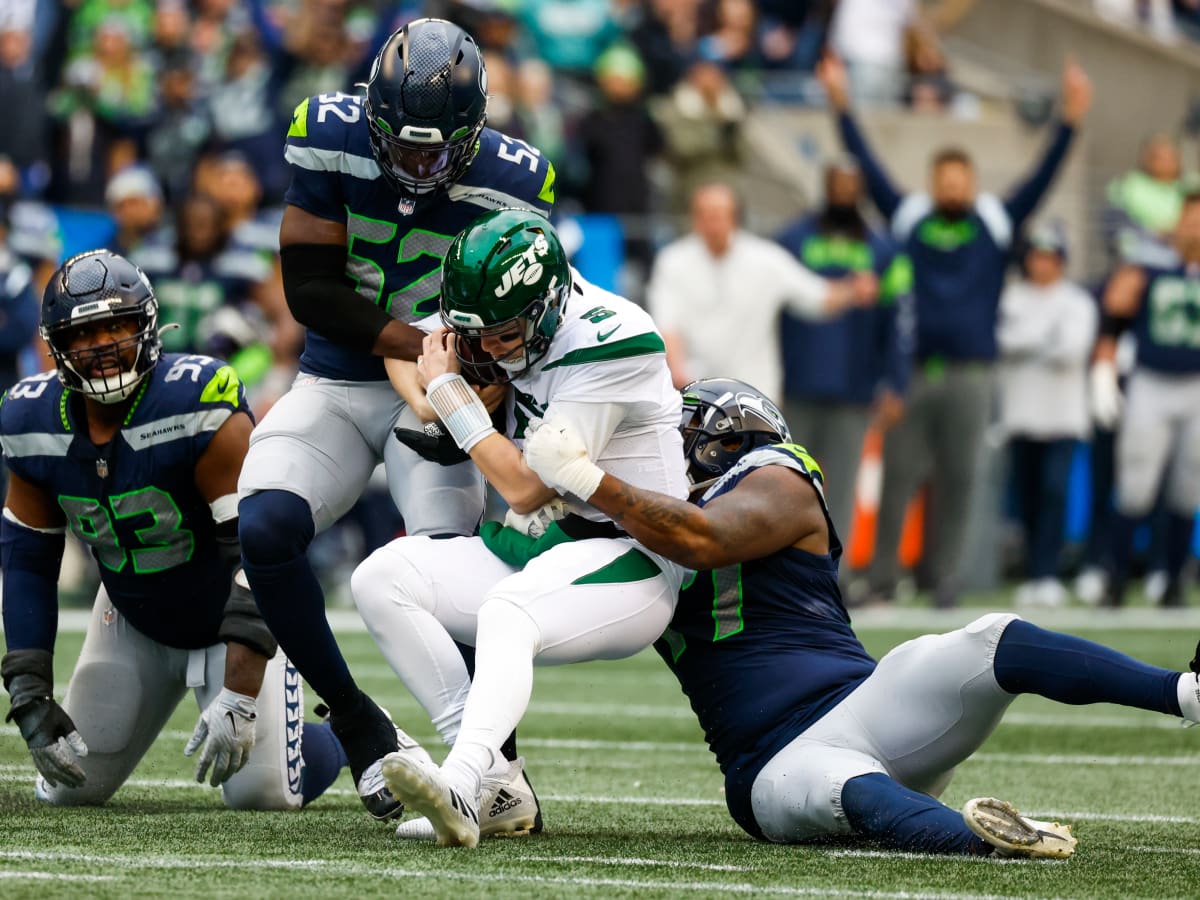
(535, 325)
(718, 433)
(418, 168)
(77, 367)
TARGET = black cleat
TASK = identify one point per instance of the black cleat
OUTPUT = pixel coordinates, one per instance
(368, 735)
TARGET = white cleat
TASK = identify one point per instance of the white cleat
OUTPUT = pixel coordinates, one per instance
(423, 788)
(1012, 834)
(508, 807)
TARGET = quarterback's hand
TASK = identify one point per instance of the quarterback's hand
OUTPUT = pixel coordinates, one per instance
(1105, 393)
(228, 724)
(558, 455)
(53, 742)
(534, 524)
(433, 443)
(438, 356)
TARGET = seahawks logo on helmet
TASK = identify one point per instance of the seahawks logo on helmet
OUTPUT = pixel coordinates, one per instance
(723, 420)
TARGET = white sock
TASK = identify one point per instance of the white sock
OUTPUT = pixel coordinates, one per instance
(1189, 696)
(506, 642)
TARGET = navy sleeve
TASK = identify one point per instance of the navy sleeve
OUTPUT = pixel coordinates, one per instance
(896, 320)
(1024, 198)
(879, 185)
(30, 561)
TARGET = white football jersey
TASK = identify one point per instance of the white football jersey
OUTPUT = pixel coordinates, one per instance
(608, 355)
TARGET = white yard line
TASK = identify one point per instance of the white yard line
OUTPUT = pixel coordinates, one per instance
(637, 861)
(348, 621)
(488, 878)
(1085, 759)
(51, 876)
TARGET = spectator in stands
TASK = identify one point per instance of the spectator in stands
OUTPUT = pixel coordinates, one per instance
(665, 35)
(542, 122)
(1143, 205)
(135, 202)
(180, 128)
(24, 138)
(19, 306)
(734, 40)
(838, 373)
(702, 129)
(716, 295)
(869, 35)
(1046, 330)
(619, 139)
(959, 243)
(569, 35)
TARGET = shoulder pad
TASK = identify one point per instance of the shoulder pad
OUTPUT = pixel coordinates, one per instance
(329, 134)
(206, 380)
(23, 402)
(505, 173)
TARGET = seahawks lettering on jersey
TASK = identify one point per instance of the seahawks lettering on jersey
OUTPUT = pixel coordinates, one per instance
(396, 244)
(1168, 321)
(736, 629)
(134, 500)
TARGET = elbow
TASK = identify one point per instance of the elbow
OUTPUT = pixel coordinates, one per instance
(701, 552)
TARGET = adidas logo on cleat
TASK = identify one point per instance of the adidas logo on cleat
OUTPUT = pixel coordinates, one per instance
(503, 803)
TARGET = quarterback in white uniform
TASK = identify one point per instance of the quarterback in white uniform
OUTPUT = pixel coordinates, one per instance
(568, 585)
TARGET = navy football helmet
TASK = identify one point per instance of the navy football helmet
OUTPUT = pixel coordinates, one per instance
(723, 420)
(426, 105)
(91, 287)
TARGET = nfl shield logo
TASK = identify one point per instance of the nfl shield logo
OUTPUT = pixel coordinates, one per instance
(406, 206)
(102, 468)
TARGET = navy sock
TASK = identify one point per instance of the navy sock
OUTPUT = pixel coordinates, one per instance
(276, 528)
(886, 812)
(1062, 667)
(509, 748)
(323, 759)
(1179, 543)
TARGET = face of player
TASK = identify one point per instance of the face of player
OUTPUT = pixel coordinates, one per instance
(103, 349)
(501, 346)
(952, 185)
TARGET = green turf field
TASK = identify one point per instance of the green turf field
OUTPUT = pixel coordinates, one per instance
(633, 804)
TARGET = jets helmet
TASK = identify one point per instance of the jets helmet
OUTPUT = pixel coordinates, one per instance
(723, 420)
(426, 104)
(91, 287)
(505, 274)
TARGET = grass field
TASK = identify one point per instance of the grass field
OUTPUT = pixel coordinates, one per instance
(633, 803)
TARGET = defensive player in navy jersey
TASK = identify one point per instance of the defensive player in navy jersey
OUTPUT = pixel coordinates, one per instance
(814, 737)
(380, 186)
(137, 453)
(1161, 421)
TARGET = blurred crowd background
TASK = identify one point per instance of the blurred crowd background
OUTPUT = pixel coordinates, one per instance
(155, 127)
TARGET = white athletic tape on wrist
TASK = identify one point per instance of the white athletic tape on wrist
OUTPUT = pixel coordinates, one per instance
(224, 507)
(460, 409)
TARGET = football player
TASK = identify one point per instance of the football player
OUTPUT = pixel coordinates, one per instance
(517, 313)
(137, 453)
(1161, 421)
(814, 737)
(380, 186)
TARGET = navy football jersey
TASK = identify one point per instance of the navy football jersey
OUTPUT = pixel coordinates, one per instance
(396, 242)
(1168, 322)
(134, 501)
(764, 648)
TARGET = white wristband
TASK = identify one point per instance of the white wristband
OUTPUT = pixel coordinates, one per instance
(580, 477)
(460, 409)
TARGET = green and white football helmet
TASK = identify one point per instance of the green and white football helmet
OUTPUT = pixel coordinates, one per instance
(505, 275)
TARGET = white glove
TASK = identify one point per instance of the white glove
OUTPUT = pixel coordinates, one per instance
(1105, 393)
(558, 455)
(534, 524)
(228, 723)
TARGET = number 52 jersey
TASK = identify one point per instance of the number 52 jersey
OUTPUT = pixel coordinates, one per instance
(134, 501)
(395, 242)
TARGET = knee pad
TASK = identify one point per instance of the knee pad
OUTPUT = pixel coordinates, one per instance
(92, 793)
(274, 527)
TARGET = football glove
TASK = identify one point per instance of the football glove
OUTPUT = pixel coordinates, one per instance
(1105, 393)
(53, 741)
(433, 444)
(228, 726)
(517, 548)
(535, 523)
(558, 455)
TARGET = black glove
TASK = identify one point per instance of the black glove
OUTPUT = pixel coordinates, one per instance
(53, 741)
(434, 444)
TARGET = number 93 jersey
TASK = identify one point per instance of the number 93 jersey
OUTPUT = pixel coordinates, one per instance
(395, 242)
(134, 501)
(1167, 325)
